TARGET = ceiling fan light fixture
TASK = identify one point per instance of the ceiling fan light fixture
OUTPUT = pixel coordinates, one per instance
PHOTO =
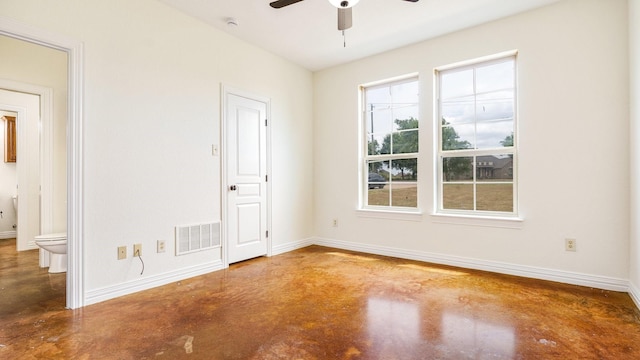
(341, 4)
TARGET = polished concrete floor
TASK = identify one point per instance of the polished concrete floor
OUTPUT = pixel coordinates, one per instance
(317, 303)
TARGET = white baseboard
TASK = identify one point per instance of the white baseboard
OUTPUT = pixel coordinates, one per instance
(595, 281)
(130, 287)
(634, 292)
(8, 234)
(290, 246)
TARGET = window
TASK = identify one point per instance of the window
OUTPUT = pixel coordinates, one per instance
(390, 161)
(476, 154)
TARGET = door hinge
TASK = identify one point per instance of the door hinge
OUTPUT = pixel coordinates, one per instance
(265, 122)
(266, 178)
(267, 233)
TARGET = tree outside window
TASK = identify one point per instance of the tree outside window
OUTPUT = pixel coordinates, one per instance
(391, 160)
(477, 152)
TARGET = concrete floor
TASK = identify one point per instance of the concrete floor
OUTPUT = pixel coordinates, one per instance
(317, 303)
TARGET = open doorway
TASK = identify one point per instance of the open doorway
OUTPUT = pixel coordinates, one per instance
(8, 174)
(73, 135)
(20, 190)
(34, 179)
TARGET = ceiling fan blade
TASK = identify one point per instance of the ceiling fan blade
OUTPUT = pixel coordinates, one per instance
(282, 3)
(345, 20)
(411, 0)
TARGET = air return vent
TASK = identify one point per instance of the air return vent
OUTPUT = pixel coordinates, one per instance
(192, 238)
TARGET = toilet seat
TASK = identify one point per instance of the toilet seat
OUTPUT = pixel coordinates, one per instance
(53, 242)
(51, 237)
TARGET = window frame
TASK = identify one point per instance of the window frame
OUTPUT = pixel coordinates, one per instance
(364, 159)
(440, 154)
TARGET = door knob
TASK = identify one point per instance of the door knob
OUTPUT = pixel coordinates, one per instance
(233, 188)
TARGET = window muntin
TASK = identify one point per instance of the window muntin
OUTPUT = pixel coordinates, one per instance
(476, 149)
(391, 128)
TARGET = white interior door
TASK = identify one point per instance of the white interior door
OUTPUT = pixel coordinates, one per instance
(246, 177)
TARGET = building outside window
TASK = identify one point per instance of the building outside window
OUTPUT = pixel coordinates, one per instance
(476, 150)
(390, 161)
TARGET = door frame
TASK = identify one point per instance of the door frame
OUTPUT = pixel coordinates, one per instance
(75, 294)
(226, 90)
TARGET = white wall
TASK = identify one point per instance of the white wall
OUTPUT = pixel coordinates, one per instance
(634, 79)
(8, 180)
(152, 80)
(38, 65)
(573, 144)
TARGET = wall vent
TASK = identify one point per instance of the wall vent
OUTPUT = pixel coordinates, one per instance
(193, 238)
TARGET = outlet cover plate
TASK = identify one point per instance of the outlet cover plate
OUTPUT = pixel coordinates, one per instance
(570, 244)
(122, 252)
(162, 246)
(137, 250)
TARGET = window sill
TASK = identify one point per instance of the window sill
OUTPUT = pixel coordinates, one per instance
(390, 214)
(475, 220)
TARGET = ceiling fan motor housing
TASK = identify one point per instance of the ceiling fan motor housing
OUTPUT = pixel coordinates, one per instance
(345, 19)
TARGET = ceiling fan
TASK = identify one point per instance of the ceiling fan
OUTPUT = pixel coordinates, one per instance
(344, 10)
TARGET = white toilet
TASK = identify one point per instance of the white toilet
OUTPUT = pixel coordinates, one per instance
(56, 245)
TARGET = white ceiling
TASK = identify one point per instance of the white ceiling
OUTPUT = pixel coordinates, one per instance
(306, 32)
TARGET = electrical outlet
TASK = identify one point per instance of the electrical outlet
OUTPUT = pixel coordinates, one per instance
(570, 244)
(137, 250)
(122, 252)
(161, 246)
(335, 223)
